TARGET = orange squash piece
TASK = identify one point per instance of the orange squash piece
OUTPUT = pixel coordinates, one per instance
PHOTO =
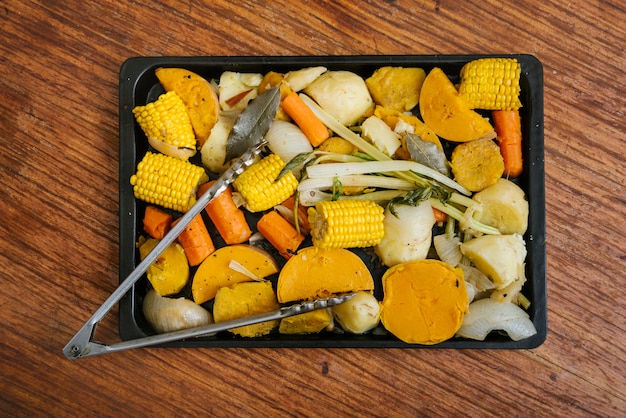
(447, 113)
(319, 273)
(424, 301)
(215, 271)
(198, 95)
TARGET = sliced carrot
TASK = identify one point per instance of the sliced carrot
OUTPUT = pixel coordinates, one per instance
(508, 127)
(280, 233)
(311, 126)
(196, 241)
(303, 217)
(439, 215)
(228, 219)
(156, 222)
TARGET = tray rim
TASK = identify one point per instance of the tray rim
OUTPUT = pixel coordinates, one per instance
(134, 68)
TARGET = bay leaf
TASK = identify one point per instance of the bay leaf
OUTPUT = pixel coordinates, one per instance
(427, 153)
(253, 123)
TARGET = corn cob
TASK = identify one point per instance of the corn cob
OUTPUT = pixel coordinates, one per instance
(167, 125)
(167, 181)
(491, 83)
(259, 187)
(346, 223)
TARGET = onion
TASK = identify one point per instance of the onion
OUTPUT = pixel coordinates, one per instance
(477, 278)
(448, 249)
(163, 147)
(486, 315)
(168, 314)
(408, 234)
(287, 140)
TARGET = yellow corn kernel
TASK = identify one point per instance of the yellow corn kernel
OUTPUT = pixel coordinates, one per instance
(167, 125)
(491, 83)
(259, 187)
(167, 181)
(346, 224)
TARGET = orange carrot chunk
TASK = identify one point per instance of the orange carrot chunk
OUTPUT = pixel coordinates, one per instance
(303, 116)
(508, 127)
(439, 215)
(280, 233)
(228, 219)
(303, 217)
(156, 222)
(196, 241)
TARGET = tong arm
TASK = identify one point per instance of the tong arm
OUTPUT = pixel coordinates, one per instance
(81, 342)
(94, 348)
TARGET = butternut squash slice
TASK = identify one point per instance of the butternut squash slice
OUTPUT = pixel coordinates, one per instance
(215, 271)
(198, 95)
(319, 273)
(447, 113)
(424, 301)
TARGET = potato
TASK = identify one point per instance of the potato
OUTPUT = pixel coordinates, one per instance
(343, 94)
(396, 88)
(358, 314)
(503, 206)
(246, 299)
(499, 257)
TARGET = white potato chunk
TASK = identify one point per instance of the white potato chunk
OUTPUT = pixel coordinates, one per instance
(503, 206)
(343, 94)
(499, 257)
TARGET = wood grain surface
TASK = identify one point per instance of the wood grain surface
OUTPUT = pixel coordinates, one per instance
(59, 207)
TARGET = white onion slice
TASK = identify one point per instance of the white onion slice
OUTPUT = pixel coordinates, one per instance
(287, 140)
(486, 315)
(448, 249)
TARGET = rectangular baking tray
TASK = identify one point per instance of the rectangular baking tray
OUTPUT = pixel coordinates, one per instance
(139, 85)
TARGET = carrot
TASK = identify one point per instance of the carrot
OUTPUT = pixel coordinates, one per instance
(303, 217)
(196, 241)
(439, 215)
(280, 233)
(306, 120)
(228, 219)
(156, 222)
(508, 126)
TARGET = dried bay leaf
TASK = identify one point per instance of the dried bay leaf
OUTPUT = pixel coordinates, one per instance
(253, 123)
(427, 153)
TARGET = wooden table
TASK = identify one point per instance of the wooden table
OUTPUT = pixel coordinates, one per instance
(59, 206)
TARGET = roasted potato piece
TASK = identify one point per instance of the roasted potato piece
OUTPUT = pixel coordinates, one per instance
(396, 88)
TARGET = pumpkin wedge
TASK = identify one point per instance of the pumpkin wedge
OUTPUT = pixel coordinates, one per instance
(320, 273)
(197, 94)
(447, 113)
(228, 266)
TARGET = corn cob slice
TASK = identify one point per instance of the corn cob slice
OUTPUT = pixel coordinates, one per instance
(259, 187)
(167, 181)
(491, 83)
(167, 126)
(346, 224)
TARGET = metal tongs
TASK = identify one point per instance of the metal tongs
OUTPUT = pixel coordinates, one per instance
(247, 135)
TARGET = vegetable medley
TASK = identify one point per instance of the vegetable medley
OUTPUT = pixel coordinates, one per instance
(414, 171)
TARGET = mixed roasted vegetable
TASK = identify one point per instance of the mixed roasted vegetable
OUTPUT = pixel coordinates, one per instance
(413, 170)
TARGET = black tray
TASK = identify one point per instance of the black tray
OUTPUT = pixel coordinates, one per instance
(139, 85)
